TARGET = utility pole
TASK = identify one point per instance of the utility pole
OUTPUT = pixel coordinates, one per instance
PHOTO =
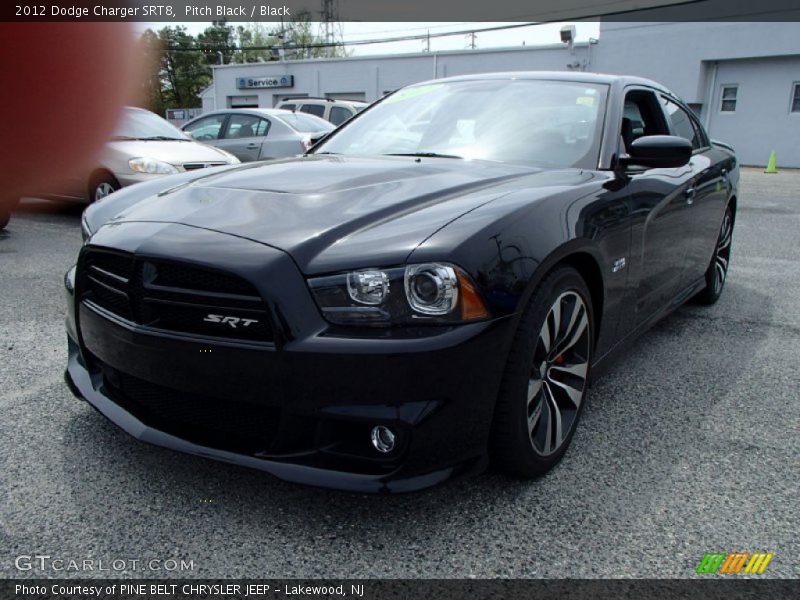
(428, 41)
(472, 35)
(331, 24)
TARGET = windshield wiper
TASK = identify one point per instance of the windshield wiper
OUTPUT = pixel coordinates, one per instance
(424, 154)
(123, 137)
(164, 138)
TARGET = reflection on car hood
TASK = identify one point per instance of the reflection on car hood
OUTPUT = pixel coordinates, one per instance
(323, 210)
(175, 153)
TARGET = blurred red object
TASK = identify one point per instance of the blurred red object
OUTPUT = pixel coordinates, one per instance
(64, 85)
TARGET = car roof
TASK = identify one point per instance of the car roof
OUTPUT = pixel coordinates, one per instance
(259, 112)
(252, 111)
(577, 77)
(313, 99)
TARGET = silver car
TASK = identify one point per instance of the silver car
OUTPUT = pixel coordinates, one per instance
(144, 146)
(258, 133)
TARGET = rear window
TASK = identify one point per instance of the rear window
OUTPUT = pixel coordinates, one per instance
(339, 115)
(287, 106)
(313, 109)
(305, 124)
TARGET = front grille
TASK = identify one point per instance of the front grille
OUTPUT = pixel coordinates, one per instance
(195, 166)
(174, 296)
(212, 422)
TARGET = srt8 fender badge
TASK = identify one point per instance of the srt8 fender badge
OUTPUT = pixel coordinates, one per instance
(232, 321)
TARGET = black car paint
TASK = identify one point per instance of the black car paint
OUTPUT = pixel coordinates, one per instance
(277, 224)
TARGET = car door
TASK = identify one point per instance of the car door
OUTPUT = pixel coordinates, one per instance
(207, 130)
(660, 204)
(710, 189)
(244, 136)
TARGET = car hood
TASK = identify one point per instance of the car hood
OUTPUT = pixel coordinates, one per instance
(330, 212)
(175, 153)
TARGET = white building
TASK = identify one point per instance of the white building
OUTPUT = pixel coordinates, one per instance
(742, 78)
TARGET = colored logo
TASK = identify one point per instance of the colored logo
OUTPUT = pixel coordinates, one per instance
(734, 562)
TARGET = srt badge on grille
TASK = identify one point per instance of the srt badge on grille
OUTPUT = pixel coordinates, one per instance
(232, 321)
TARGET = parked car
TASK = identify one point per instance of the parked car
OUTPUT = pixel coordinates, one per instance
(258, 133)
(335, 111)
(436, 283)
(144, 147)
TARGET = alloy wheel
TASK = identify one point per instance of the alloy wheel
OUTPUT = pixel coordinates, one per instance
(558, 376)
(102, 190)
(723, 254)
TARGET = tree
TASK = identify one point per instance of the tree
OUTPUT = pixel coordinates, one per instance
(300, 41)
(255, 35)
(220, 37)
(178, 66)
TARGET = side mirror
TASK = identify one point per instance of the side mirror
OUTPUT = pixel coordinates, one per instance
(658, 152)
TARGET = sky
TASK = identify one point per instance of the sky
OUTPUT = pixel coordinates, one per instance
(546, 33)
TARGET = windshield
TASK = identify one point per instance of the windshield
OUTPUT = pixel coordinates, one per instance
(143, 125)
(305, 123)
(532, 122)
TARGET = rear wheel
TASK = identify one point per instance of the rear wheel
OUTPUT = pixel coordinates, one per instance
(544, 384)
(102, 185)
(717, 272)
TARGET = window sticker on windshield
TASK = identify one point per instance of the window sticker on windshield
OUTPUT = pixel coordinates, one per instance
(413, 92)
(584, 101)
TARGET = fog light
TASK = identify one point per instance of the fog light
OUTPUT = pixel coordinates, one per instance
(383, 439)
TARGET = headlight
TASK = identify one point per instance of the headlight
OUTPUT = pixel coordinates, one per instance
(152, 166)
(423, 293)
(431, 289)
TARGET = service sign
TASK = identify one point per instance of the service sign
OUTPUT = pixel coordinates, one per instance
(246, 83)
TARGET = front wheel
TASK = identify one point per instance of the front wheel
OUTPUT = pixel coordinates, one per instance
(102, 185)
(545, 380)
(717, 272)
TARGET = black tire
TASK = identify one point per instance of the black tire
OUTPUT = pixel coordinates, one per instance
(5, 217)
(717, 272)
(520, 442)
(101, 185)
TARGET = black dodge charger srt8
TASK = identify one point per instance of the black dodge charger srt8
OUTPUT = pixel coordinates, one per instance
(433, 285)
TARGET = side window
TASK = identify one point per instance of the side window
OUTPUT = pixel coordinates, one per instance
(339, 115)
(795, 108)
(206, 129)
(313, 109)
(728, 98)
(683, 124)
(287, 106)
(641, 116)
(243, 126)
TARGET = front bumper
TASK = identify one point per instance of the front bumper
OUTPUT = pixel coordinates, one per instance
(301, 409)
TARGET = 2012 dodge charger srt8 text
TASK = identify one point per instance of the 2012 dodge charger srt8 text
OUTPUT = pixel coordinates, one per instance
(431, 286)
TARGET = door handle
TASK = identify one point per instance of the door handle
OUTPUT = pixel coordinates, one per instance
(690, 194)
(252, 146)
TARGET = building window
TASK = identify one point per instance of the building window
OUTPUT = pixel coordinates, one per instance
(796, 98)
(729, 93)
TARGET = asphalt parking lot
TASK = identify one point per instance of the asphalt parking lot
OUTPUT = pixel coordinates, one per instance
(689, 444)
